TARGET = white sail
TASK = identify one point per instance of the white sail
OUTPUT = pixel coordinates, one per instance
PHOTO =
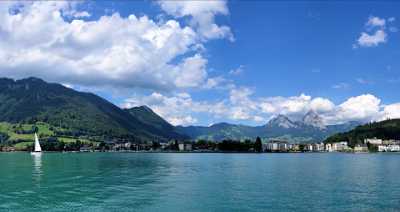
(37, 144)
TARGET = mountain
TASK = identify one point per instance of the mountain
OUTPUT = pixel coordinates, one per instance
(218, 132)
(310, 129)
(282, 121)
(313, 119)
(389, 129)
(147, 116)
(72, 112)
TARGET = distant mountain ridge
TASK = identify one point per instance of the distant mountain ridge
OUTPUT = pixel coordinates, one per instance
(310, 129)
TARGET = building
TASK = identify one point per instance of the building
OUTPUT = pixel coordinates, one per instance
(389, 148)
(318, 147)
(329, 147)
(308, 147)
(340, 146)
(373, 141)
(185, 147)
(361, 148)
(394, 148)
(283, 147)
(272, 147)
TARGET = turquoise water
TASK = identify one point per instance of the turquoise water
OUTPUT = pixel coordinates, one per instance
(199, 182)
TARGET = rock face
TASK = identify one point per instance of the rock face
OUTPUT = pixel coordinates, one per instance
(310, 128)
(283, 122)
(313, 119)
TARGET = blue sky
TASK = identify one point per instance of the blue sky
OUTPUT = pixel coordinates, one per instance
(206, 62)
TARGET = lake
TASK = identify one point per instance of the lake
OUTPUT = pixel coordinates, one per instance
(199, 182)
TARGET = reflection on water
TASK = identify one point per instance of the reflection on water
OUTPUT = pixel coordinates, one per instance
(37, 167)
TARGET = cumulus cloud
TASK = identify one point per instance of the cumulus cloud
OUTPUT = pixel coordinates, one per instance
(391, 111)
(374, 21)
(376, 32)
(360, 108)
(177, 109)
(367, 40)
(321, 105)
(36, 39)
(202, 16)
(240, 105)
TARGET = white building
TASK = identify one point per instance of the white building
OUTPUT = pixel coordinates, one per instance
(272, 147)
(361, 148)
(373, 141)
(389, 148)
(329, 147)
(394, 148)
(318, 147)
(340, 146)
(308, 147)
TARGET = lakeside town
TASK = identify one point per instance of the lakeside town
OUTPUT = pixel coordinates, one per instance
(203, 146)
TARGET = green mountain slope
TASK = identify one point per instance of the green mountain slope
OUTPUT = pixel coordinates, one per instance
(32, 100)
(147, 116)
(389, 129)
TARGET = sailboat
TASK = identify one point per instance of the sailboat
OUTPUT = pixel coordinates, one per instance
(37, 149)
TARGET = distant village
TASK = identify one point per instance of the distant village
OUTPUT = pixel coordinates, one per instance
(271, 146)
(369, 145)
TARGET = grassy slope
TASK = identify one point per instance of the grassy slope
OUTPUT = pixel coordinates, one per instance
(31, 100)
(23, 141)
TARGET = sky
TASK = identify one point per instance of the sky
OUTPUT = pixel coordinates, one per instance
(205, 62)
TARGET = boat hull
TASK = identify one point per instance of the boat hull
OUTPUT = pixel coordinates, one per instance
(36, 153)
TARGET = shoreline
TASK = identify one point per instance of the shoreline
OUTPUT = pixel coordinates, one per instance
(197, 152)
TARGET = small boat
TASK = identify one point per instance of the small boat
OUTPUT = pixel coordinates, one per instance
(37, 150)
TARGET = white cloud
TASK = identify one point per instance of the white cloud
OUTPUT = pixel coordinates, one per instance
(374, 21)
(219, 82)
(367, 40)
(360, 108)
(321, 105)
(376, 32)
(181, 109)
(391, 111)
(202, 14)
(192, 72)
(237, 71)
(140, 52)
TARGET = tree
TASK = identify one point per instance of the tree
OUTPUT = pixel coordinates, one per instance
(258, 145)
(176, 145)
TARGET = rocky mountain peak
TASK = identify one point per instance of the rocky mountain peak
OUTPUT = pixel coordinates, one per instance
(282, 121)
(313, 119)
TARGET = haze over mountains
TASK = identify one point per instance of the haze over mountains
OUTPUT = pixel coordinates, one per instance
(79, 113)
(310, 129)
